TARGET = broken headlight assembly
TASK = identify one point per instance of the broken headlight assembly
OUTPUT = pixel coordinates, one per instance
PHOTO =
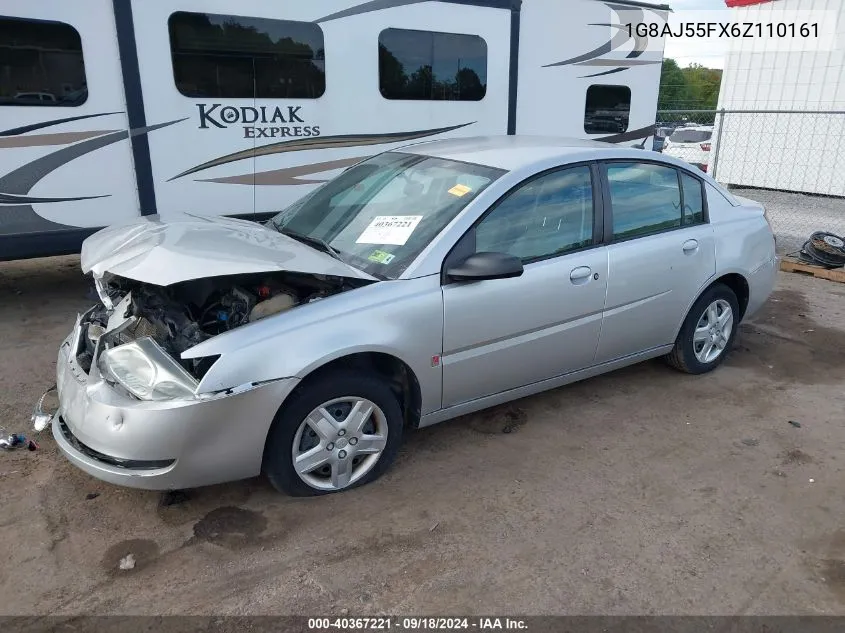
(144, 369)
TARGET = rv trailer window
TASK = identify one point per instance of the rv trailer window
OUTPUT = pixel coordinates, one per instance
(40, 64)
(608, 109)
(240, 57)
(426, 66)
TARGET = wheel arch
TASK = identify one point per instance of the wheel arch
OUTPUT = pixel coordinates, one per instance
(398, 374)
(734, 280)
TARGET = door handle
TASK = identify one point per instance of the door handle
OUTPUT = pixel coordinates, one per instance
(690, 246)
(580, 275)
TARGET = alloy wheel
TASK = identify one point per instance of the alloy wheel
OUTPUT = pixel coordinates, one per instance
(339, 442)
(713, 331)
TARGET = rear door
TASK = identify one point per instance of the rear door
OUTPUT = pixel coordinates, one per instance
(505, 333)
(65, 161)
(273, 98)
(660, 254)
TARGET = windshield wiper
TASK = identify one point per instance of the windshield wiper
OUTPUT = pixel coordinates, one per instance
(313, 241)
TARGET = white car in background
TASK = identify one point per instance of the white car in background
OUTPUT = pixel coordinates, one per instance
(691, 144)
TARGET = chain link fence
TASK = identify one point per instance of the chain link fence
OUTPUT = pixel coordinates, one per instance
(793, 162)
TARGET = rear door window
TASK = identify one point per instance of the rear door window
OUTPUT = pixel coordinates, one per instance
(645, 198)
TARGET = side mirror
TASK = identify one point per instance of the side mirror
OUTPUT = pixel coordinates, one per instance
(480, 266)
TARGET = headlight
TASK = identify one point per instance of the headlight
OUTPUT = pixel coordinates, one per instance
(147, 371)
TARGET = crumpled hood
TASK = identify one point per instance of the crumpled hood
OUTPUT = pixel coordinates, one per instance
(189, 247)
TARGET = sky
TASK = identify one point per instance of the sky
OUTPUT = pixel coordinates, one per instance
(707, 52)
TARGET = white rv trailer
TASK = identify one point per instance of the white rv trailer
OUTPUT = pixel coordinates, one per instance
(111, 109)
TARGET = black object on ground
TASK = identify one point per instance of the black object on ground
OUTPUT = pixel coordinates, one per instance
(824, 249)
(173, 497)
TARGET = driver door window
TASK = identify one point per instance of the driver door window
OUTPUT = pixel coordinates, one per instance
(546, 217)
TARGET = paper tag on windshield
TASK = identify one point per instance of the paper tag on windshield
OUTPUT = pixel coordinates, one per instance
(460, 190)
(389, 229)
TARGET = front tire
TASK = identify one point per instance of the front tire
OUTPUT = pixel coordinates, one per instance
(337, 431)
(708, 332)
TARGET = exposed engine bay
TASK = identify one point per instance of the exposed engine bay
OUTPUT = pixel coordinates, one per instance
(182, 315)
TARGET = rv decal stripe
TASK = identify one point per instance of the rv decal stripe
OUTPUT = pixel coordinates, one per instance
(606, 72)
(627, 63)
(615, 42)
(38, 126)
(319, 142)
(593, 58)
(289, 175)
(633, 135)
(6, 198)
(40, 140)
(379, 5)
(22, 220)
(21, 180)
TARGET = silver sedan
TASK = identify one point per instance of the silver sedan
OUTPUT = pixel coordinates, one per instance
(421, 284)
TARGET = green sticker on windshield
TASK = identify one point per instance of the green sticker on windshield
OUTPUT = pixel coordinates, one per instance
(382, 257)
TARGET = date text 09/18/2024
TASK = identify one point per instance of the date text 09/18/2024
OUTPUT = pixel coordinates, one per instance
(429, 623)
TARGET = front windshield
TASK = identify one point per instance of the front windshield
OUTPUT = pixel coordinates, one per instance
(381, 213)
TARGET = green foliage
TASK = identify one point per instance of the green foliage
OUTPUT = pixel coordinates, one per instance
(691, 88)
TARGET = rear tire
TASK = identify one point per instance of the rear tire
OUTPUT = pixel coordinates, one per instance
(337, 431)
(708, 332)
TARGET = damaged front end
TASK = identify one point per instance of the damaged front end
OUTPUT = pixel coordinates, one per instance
(137, 333)
(133, 412)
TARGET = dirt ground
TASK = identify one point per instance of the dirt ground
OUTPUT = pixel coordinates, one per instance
(644, 491)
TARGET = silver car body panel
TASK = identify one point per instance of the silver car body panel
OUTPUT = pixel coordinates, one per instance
(470, 345)
(401, 318)
(501, 334)
(744, 245)
(538, 387)
(208, 441)
(193, 247)
(652, 279)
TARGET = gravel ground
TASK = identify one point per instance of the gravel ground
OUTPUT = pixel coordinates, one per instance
(795, 216)
(644, 491)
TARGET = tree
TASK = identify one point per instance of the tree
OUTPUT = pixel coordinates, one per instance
(469, 84)
(392, 73)
(673, 86)
(420, 83)
(691, 88)
(704, 85)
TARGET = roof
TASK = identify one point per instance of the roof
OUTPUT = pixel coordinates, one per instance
(506, 152)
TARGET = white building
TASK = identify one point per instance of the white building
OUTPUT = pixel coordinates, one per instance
(801, 147)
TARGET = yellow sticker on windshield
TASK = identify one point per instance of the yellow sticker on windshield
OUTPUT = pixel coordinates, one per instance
(460, 190)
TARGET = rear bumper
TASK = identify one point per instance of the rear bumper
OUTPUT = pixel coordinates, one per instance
(160, 445)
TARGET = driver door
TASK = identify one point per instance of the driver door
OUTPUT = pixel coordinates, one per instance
(505, 333)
